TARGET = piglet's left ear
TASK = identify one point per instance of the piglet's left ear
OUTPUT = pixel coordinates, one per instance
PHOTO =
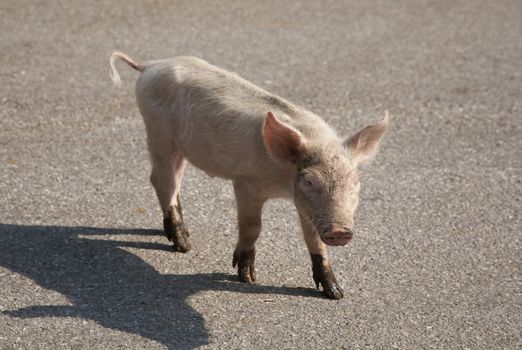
(364, 144)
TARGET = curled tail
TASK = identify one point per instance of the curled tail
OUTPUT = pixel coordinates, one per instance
(115, 76)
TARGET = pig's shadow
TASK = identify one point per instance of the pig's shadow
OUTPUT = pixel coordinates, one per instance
(113, 287)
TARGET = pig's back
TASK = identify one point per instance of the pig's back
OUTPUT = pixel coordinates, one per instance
(214, 116)
(192, 81)
(222, 90)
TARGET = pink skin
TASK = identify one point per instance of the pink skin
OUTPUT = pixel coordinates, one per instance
(327, 184)
(268, 147)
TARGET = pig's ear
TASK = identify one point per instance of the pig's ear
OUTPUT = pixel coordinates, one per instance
(282, 141)
(365, 143)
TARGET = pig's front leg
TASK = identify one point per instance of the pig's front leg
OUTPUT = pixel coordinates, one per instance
(249, 205)
(321, 270)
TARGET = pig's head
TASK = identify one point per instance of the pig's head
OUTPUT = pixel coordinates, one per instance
(326, 184)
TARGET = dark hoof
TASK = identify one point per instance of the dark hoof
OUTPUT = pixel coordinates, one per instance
(181, 248)
(245, 262)
(177, 234)
(323, 275)
(332, 290)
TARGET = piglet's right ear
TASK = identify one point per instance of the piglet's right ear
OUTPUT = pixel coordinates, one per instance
(282, 141)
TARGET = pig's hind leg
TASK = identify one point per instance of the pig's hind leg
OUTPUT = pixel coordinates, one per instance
(321, 270)
(168, 165)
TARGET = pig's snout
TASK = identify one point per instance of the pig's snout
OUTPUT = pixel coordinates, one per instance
(340, 236)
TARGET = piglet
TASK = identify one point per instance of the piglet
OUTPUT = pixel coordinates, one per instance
(268, 146)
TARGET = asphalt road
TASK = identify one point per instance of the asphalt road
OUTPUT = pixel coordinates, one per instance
(437, 259)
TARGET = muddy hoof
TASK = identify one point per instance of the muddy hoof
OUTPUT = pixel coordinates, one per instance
(245, 262)
(181, 248)
(177, 234)
(332, 290)
(323, 275)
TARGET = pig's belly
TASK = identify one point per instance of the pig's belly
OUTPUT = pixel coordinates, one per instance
(211, 168)
(219, 161)
(221, 145)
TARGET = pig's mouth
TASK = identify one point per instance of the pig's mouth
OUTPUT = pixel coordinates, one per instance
(339, 237)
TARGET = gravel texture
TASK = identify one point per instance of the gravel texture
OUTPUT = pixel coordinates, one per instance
(436, 262)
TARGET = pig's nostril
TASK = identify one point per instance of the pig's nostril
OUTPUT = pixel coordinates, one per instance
(340, 236)
(349, 231)
(342, 233)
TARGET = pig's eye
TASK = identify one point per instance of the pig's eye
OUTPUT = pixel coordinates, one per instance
(307, 182)
(307, 160)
